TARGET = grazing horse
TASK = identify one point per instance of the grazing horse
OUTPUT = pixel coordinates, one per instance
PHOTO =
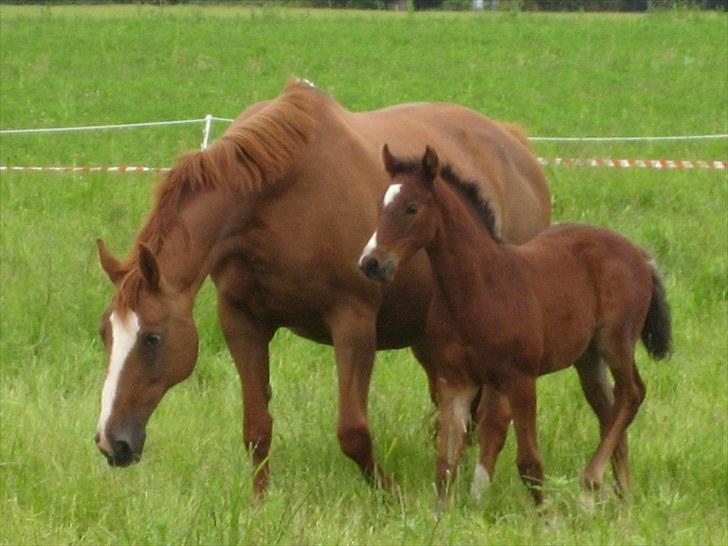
(276, 212)
(501, 315)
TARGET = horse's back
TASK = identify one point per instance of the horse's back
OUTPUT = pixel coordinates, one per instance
(492, 154)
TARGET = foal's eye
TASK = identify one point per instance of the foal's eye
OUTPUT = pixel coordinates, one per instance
(412, 208)
(151, 339)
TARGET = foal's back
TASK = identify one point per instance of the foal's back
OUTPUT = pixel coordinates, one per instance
(588, 281)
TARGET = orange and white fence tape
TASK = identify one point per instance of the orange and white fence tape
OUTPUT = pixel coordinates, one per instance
(634, 163)
(549, 162)
(96, 169)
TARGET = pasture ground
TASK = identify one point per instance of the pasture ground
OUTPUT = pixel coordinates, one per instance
(575, 74)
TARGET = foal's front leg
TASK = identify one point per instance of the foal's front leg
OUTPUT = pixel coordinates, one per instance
(494, 417)
(453, 400)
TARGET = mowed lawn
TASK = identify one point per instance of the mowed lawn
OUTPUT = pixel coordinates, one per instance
(558, 74)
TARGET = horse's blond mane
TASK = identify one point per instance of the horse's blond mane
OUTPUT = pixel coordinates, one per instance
(253, 153)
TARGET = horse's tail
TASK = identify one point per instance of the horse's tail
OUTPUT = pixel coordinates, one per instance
(657, 331)
(516, 131)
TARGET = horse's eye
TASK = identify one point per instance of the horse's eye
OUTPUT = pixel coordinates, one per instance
(412, 208)
(151, 340)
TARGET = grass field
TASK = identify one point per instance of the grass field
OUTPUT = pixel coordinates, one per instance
(575, 74)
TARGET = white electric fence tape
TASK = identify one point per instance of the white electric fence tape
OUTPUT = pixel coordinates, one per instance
(557, 161)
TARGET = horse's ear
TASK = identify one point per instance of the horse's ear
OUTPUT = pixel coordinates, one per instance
(388, 160)
(109, 264)
(430, 163)
(149, 268)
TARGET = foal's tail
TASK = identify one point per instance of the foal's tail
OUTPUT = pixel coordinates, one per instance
(657, 331)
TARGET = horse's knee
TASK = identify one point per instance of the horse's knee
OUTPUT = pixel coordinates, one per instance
(257, 437)
(355, 442)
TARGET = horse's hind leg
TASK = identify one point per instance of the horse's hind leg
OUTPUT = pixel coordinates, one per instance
(619, 356)
(594, 378)
(494, 417)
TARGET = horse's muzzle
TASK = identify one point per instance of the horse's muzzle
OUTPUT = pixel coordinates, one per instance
(126, 447)
(377, 270)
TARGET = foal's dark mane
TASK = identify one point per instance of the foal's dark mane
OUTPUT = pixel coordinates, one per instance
(467, 189)
(252, 154)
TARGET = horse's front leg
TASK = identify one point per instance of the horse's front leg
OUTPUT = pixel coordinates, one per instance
(353, 331)
(248, 344)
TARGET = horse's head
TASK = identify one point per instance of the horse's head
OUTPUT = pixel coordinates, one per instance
(407, 219)
(151, 344)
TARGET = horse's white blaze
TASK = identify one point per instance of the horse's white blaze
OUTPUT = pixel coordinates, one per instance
(123, 337)
(392, 192)
(481, 480)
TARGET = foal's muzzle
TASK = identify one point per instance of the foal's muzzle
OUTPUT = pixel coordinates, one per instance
(375, 269)
(126, 447)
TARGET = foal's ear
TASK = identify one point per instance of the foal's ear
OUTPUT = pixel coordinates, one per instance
(149, 268)
(430, 163)
(389, 161)
(109, 264)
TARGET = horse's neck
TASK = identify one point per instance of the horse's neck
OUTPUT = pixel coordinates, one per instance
(185, 258)
(465, 258)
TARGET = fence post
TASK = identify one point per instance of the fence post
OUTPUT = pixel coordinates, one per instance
(206, 131)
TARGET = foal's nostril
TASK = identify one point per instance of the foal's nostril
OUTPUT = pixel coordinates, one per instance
(370, 266)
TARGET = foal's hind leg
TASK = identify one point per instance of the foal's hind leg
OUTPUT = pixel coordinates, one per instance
(628, 397)
(521, 392)
(594, 378)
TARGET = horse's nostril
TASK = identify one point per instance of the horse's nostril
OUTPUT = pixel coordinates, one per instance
(122, 455)
(97, 437)
(122, 450)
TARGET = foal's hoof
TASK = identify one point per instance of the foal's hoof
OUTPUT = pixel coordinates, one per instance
(587, 502)
(590, 482)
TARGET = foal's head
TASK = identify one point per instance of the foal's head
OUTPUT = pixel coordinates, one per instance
(408, 218)
(151, 344)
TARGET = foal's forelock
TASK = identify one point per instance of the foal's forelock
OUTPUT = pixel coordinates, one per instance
(124, 329)
(391, 194)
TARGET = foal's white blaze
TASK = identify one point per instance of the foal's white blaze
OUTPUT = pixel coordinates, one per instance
(481, 480)
(371, 245)
(123, 337)
(392, 192)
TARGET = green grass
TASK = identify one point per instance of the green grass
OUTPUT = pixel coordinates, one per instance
(575, 74)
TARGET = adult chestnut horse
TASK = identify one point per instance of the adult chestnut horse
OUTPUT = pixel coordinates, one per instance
(505, 314)
(276, 212)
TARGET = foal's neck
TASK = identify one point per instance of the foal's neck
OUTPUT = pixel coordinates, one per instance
(463, 254)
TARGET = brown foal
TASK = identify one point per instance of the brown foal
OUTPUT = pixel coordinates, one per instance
(501, 315)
